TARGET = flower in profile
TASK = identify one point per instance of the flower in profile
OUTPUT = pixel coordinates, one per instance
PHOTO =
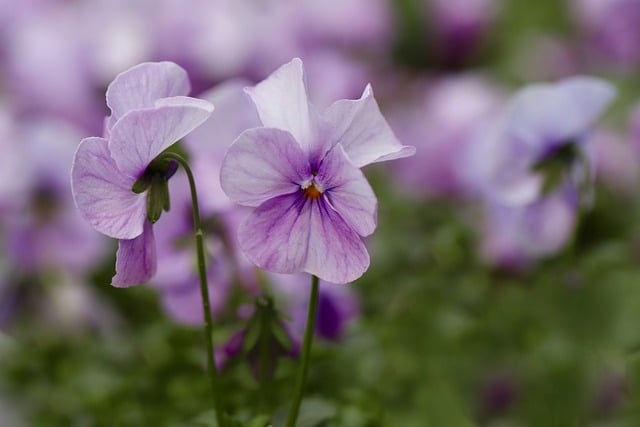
(119, 183)
(301, 172)
(542, 143)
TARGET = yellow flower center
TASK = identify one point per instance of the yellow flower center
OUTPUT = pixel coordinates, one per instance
(311, 192)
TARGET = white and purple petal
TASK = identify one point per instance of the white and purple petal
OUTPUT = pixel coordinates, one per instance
(261, 164)
(348, 191)
(140, 135)
(282, 102)
(275, 236)
(336, 253)
(139, 87)
(365, 135)
(103, 193)
(136, 260)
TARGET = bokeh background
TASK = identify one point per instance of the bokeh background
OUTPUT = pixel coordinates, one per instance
(468, 316)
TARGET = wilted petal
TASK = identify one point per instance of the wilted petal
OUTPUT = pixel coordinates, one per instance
(556, 113)
(363, 132)
(281, 100)
(140, 86)
(275, 236)
(349, 191)
(140, 135)
(261, 164)
(136, 259)
(103, 193)
(336, 253)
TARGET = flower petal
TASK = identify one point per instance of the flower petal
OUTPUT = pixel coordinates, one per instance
(336, 253)
(103, 193)
(363, 132)
(140, 135)
(348, 191)
(275, 236)
(261, 164)
(555, 113)
(140, 86)
(282, 102)
(136, 260)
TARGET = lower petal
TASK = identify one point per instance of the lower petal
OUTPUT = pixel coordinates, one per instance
(336, 253)
(275, 236)
(136, 260)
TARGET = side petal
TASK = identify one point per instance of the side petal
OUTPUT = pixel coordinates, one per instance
(261, 164)
(140, 86)
(348, 191)
(140, 135)
(282, 102)
(553, 113)
(275, 236)
(336, 253)
(103, 193)
(365, 135)
(136, 260)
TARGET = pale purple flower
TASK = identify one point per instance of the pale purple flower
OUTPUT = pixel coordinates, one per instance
(301, 173)
(544, 125)
(149, 113)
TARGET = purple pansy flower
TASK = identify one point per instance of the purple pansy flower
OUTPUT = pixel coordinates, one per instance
(541, 141)
(149, 113)
(301, 173)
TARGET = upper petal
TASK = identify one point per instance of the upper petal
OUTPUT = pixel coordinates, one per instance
(140, 135)
(336, 253)
(103, 193)
(140, 86)
(282, 102)
(348, 191)
(275, 236)
(553, 113)
(261, 164)
(136, 260)
(364, 133)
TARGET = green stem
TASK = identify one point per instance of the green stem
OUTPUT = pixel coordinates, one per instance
(306, 351)
(204, 288)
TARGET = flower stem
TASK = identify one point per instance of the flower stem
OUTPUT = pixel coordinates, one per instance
(306, 350)
(204, 288)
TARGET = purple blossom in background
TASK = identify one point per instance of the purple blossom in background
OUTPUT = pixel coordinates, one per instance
(541, 140)
(337, 305)
(441, 122)
(301, 173)
(460, 26)
(43, 230)
(514, 236)
(149, 113)
(176, 278)
(611, 30)
(208, 143)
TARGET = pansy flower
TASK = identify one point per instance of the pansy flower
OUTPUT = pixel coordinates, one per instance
(541, 145)
(301, 171)
(119, 184)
